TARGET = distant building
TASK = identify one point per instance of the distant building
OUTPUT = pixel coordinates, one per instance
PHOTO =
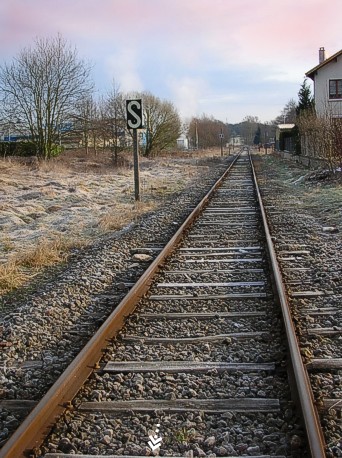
(284, 140)
(236, 140)
(327, 78)
(183, 142)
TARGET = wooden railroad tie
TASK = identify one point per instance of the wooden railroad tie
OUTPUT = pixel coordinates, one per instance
(184, 340)
(185, 405)
(324, 364)
(63, 455)
(201, 315)
(185, 366)
(166, 297)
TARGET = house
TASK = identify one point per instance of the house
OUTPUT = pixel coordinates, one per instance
(236, 140)
(183, 142)
(327, 78)
(285, 140)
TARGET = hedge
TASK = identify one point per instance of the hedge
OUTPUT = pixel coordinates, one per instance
(17, 149)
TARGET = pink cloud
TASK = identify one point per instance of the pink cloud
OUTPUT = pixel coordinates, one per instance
(274, 40)
(239, 28)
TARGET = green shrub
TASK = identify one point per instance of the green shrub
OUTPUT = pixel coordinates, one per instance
(56, 150)
(17, 149)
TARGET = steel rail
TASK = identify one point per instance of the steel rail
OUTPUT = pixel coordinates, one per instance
(36, 426)
(312, 424)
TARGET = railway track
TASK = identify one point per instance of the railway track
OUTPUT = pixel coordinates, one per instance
(313, 286)
(206, 354)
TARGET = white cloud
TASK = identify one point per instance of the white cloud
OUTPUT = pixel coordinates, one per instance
(220, 98)
(123, 66)
(285, 73)
(187, 93)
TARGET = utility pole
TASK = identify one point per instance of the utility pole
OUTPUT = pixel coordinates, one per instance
(284, 115)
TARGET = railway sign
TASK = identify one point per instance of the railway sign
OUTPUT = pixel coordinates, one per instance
(134, 114)
(134, 121)
(221, 140)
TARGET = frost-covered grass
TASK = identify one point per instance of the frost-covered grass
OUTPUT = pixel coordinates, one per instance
(45, 211)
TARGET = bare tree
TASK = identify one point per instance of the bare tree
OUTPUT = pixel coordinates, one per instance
(248, 128)
(205, 132)
(331, 138)
(41, 87)
(336, 124)
(321, 136)
(116, 122)
(288, 113)
(101, 122)
(161, 122)
(83, 118)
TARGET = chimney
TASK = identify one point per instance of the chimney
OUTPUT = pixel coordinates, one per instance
(321, 54)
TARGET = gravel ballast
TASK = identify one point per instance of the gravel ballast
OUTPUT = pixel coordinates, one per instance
(50, 327)
(304, 211)
(43, 330)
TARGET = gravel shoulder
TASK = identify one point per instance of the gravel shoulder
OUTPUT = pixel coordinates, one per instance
(305, 214)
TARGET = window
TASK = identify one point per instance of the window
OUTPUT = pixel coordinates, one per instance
(335, 89)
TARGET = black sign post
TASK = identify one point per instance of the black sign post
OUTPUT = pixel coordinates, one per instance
(221, 140)
(134, 121)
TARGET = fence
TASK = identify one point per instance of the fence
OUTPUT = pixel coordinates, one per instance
(309, 161)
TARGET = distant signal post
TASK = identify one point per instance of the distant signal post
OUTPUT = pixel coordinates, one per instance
(221, 141)
(134, 121)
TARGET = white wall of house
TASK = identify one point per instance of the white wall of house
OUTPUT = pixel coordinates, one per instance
(324, 105)
(183, 142)
(236, 140)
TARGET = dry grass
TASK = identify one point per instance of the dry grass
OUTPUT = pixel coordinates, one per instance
(7, 244)
(10, 165)
(12, 277)
(22, 267)
(326, 202)
(22, 263)
(45, 253)
(53, 166)
(122, 215)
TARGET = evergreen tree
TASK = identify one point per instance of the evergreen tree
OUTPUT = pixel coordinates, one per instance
(305, 99)
(257, 136)
(305, 107)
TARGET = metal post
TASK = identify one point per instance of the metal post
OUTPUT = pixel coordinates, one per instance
(221, 138)
(134, 121)
(196, 136)
(136, 165)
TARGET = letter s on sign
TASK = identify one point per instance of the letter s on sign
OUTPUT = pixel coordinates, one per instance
(134, 120)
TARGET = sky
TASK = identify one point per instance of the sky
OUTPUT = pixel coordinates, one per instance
(223, 58)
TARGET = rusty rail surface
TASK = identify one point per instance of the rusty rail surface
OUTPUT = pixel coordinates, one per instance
(38, 423)
(303, 386)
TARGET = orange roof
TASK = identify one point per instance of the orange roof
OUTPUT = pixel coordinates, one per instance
(311, 73)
